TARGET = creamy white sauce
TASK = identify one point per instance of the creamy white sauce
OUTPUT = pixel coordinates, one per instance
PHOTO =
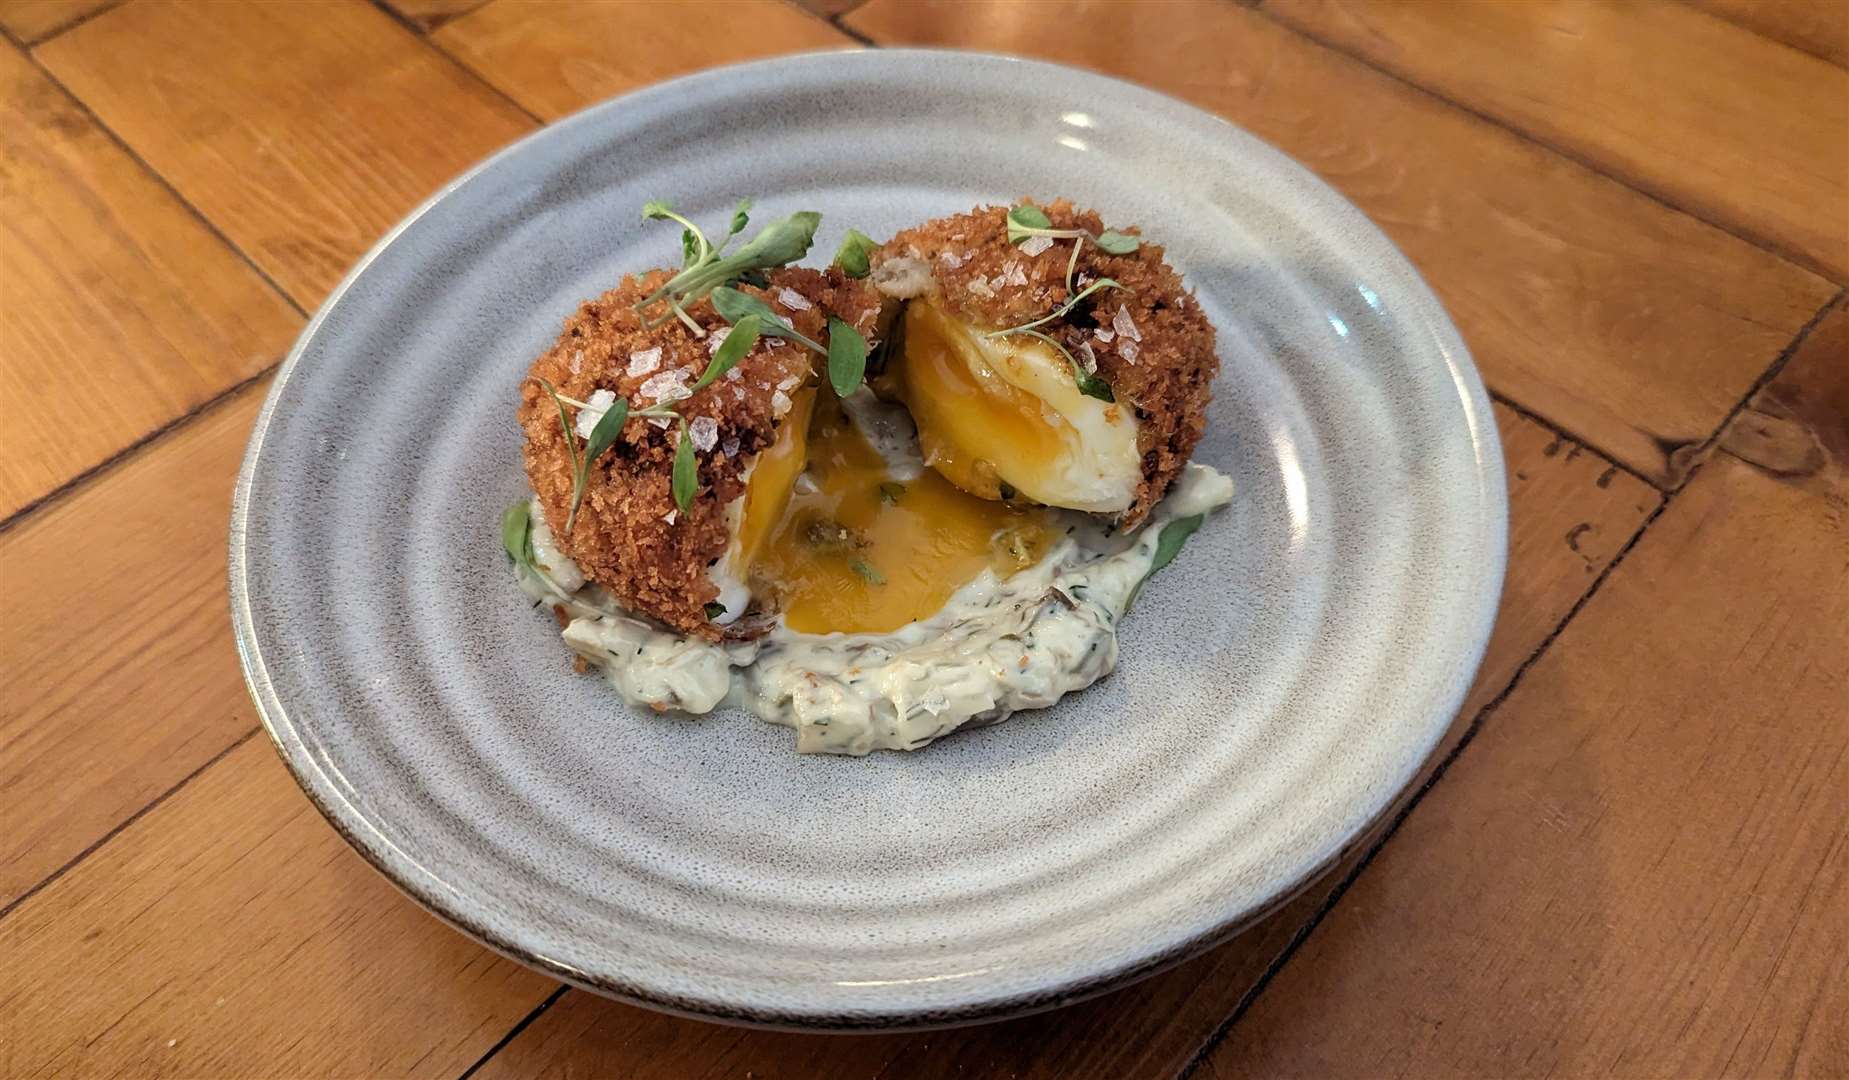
(997, 647)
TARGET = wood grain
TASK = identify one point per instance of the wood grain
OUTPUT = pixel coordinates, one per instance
(34, 20)
(557, 57)
(1572, 512)
(121, 676)
(302, 130)
(429, 14)
(1818, 27)
(231, 932)
(1640, 866)
(122, 310)
(1713, 118)
(1633, 326)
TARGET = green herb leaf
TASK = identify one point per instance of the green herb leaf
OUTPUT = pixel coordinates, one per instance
(1168, 545)
(656, 210)
(740, 341)
(740, 217)
(1091, 385)
(847, 357)
(852, 255)
(1061, 310)
(1029, 216)
(867, 573)
(690, 249)
(778, 244)
(714, 609)
(733, 306)
(781, 242)
(517, 533)
(686, 470)
(605, 432)
(755, 278)
(1117, 243)
(891, 490)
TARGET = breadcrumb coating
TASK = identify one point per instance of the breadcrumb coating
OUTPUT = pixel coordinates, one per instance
(629, 535)
(1149, 340)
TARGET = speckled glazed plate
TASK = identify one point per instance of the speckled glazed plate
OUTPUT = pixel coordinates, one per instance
(1279, 684)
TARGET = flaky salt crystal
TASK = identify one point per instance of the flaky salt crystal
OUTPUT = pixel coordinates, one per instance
(1104, 335)
(705, 433)
(793, 300)
(670, 516)
(732, 374)
(1034, 245)
(950, 259)
(1127, 349)
(643, 361)
(595, 406)
(661, 422)
(790, 382)
(980, 287)
(1012, 274)
(956, 236)
(663, 385)
(1125, 325)
(780, 403)
(716, 339)
(730, 446)
(1087, 359)
(577, 362)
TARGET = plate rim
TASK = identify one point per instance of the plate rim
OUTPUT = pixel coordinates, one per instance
(283, 736)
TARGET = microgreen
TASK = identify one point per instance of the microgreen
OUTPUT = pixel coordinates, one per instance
(686, 470)
(852, 255)
(1116, 243)
(1027, 220)
(847, 357)
(714, 609)
(1088, 382)
(1168, 545)
(1059, 312)
(867, 572)
(744, 335)
(777, 244)
(733, 306)
(517, 533)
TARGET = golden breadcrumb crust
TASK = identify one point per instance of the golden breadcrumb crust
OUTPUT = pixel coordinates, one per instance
(629, 536)
(1166, 376)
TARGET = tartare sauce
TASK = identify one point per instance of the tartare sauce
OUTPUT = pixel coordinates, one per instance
(997, 646)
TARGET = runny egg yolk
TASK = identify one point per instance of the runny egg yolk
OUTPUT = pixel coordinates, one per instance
(767, 491)
(859, 552)
(995, 411)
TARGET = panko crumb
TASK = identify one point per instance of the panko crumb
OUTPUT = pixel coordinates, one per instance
(1149, 341)
(629, 535)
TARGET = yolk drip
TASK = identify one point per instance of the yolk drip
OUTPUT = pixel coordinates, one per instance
(863, 553)
(767, 493)
(961, 403)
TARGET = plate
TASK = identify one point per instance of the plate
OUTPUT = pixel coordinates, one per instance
(1279, 684)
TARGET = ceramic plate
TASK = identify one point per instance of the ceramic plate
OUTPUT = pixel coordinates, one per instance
(1279, 684)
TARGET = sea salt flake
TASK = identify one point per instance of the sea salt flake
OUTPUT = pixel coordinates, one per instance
(792, 299)
(730, 446)
(732, 374)
(1012, 274)
(956, 236)
(1034, 245)
(1087, 359)
(790, 382)
(950, 259)
(980, 287)
(643, 361)
(663, 385)
(1104, 335)
(595, 406)
(716, 339)
(780, 403)
(577, 362)
(1127, 349)
(670, 516)
(705, 433)
(661, 422)
(1125, 325)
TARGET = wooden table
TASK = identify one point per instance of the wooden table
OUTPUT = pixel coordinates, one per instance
(1633, 859)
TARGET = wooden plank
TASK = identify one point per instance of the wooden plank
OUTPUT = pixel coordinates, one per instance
(1818, 27)
(121, 676)
(1713, 118)
(34, 20)
(1572, 513)
(122, 310)
(303, 130)
(231, 932)
(430, 14)
(1640, 866)
(556, 58)
(1631, 325)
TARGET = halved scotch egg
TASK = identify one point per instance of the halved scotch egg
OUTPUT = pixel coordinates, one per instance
(1096, 409)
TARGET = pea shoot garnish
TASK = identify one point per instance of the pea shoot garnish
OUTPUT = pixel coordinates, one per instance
(852, 255)
(686, 470)
(867, 573)
(847, 357)
(846, 352)
(1027, 221)
(1088, 382)
(706, 266)
(1168, 545)
(517, 534)
(714, 609)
